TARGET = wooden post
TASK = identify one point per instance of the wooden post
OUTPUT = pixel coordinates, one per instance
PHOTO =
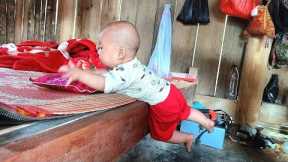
(253, 79)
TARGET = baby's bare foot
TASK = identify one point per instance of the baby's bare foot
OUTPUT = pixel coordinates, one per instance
(189, 143)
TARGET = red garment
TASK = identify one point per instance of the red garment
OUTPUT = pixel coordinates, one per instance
(47, 58)
(3, 51)
(85, 50)
(165, 116)
(33, 43)
(49, 62)
(77, 45)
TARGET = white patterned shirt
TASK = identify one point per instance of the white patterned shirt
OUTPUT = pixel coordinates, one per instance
(135, 80)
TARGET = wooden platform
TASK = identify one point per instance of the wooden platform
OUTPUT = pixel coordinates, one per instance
(94, 137)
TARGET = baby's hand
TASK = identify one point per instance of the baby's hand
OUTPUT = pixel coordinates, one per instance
(71, 72)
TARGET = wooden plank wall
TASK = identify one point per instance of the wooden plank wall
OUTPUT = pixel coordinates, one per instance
(7, 17)
(64, 19)
(34, 20)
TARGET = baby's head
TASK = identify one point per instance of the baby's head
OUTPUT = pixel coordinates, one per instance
(118, 43)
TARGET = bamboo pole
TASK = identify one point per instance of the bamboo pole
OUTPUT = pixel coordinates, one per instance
(220, 56)
(195, 45)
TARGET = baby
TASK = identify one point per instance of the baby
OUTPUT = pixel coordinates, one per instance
(117, 48)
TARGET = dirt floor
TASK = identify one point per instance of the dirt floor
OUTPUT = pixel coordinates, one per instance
(149, 150)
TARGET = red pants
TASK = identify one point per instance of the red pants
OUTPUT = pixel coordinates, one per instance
(165, 116)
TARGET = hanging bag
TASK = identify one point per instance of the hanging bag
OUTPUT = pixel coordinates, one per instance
(194, 12)
(238, 8)
(262, 24)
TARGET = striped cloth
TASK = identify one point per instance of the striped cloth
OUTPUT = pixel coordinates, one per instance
(18, 94)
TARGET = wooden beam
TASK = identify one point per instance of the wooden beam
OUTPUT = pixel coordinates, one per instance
(253, 79)
(101, 137)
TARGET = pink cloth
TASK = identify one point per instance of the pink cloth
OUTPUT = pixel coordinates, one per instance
(56, 81)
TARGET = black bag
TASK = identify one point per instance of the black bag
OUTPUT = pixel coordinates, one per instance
(271, 90)
(194, 12)
(279, 12)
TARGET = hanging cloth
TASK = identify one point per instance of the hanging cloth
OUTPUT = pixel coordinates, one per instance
(194, 12)
(160, 59)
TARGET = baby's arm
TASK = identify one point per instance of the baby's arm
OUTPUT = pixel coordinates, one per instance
(99, 71)
(89, 78)
(92, 80)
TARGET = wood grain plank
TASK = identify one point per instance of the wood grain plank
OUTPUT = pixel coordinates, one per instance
(91, 18)
(208, 50)
(66, 19)
(233, 52)
(102, 137)
(129, 10)
(19, 6)
(25, 19)
(50, 20)
(3, 22)
(30, 25)
(42, 20)
(11, 11)
(111, 11)
(37, 17)
(183, 42)
(145, 20)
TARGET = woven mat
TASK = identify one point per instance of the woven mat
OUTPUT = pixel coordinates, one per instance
(17, 92)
